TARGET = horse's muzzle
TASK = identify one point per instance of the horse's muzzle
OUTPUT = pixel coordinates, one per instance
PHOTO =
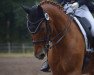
(41, 54)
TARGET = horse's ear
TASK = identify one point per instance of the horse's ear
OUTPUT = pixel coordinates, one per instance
(40, 9)
(26, 9)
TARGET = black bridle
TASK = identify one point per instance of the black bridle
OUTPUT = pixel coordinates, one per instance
(47, 39)
(47, 35)
(31, 23)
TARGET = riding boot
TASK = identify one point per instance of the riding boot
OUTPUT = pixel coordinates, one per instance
(93, 43)
(45, 67)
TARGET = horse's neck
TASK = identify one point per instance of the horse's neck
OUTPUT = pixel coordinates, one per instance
(59, 23)
(58, 19)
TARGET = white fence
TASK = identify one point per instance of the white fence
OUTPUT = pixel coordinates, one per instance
(16, 47)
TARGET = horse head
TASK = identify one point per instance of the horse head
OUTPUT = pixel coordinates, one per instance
(45, 28)
(37, 24)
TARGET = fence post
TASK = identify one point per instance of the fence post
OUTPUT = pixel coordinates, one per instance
(9, 49)
(23, 47)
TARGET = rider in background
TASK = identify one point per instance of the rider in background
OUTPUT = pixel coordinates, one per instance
(82, 8)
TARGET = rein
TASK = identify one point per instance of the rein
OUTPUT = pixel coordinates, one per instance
(65, 31)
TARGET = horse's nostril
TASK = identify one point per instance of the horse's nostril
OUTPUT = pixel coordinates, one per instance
(42, 55)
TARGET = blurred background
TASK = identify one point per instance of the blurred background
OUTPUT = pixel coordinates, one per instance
(14, 36)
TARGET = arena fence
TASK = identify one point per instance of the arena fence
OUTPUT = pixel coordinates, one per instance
(16, 48)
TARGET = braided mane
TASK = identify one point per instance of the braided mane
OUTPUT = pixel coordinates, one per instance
(52, 3)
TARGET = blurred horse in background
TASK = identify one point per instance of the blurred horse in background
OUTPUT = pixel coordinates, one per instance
(54, 33)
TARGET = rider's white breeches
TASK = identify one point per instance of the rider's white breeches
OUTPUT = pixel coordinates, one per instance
(83, 11)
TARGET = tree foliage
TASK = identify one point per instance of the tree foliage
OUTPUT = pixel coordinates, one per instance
(13, 21)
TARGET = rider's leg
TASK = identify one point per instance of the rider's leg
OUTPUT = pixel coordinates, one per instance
(83, 11)
(45, 67)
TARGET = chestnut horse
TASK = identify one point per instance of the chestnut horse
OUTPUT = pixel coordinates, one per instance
(54, 33)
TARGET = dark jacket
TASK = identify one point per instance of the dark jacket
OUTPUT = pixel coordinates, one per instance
(89, 3)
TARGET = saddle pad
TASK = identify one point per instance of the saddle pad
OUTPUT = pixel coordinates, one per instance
(84, 34)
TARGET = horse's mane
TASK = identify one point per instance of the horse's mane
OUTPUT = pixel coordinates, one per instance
(52, 3)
